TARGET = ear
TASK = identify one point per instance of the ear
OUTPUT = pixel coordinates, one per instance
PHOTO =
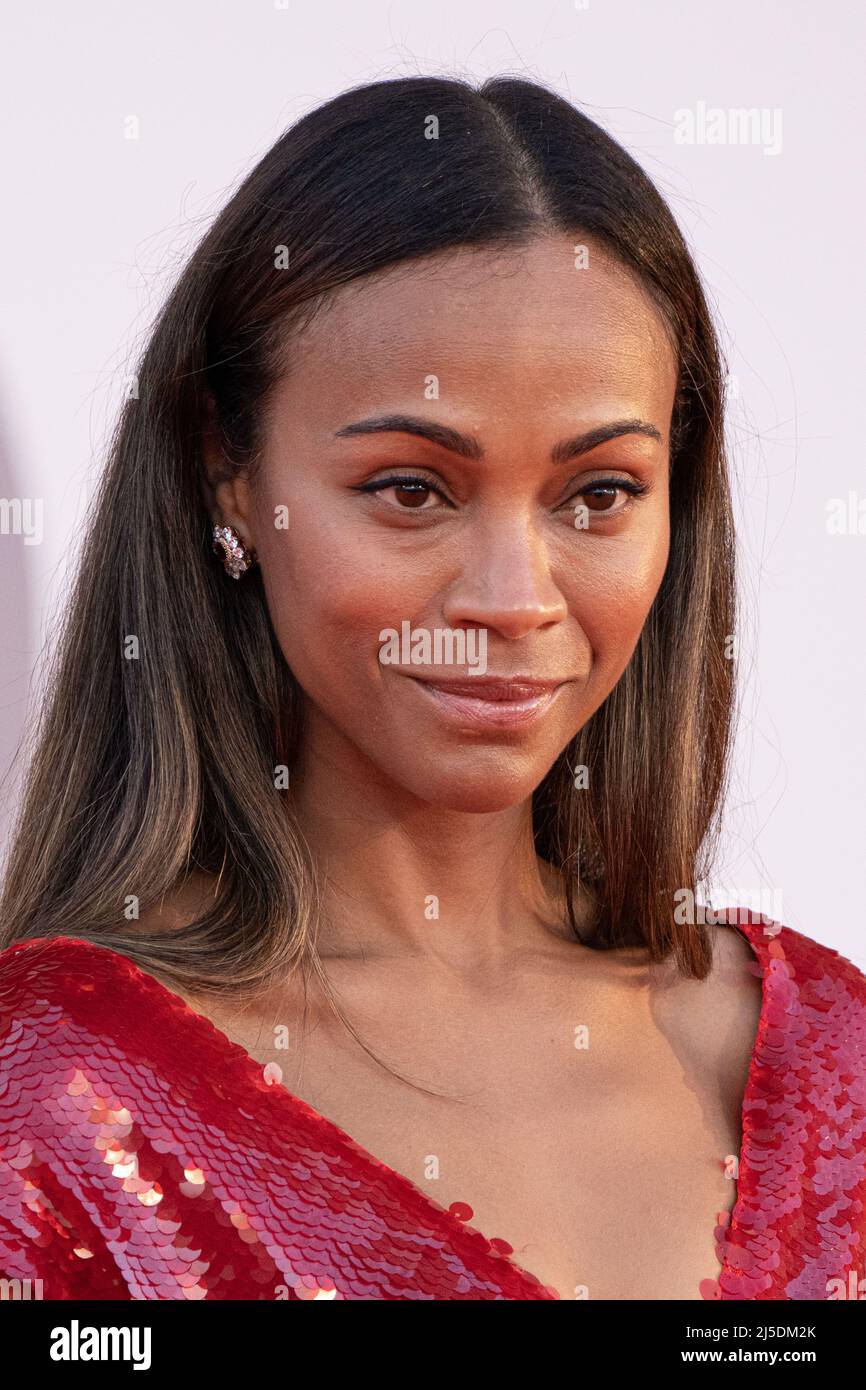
(225, 489)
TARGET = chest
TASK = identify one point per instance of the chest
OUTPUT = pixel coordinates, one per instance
(603, 1169)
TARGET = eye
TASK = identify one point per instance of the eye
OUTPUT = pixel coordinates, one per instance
(410, 491)
(599, 497)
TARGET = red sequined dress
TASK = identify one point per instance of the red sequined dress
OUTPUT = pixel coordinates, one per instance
(143, 1155)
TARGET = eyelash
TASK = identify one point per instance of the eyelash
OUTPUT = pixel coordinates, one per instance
(634, 489)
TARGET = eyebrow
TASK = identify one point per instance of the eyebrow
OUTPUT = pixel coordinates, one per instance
(468, 447)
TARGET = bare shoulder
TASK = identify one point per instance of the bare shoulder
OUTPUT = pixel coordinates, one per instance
(178, 907)
(735, 984)
(715, 1020)
(236, 1014)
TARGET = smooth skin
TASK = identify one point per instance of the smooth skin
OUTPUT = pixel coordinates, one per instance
(602, 1165)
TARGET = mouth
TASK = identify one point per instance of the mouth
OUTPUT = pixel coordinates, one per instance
(490, 702)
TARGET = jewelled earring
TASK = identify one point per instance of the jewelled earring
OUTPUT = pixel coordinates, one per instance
(237, 558)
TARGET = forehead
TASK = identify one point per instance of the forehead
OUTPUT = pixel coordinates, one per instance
(521, 326)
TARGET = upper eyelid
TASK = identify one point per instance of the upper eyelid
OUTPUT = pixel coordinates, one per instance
(397, 473)
(608, 477)
(408, 473)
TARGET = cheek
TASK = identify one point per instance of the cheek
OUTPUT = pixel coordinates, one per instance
(329, 597)
(611, 592)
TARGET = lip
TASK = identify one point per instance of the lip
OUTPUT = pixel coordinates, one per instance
(498, 688)
(493, 701)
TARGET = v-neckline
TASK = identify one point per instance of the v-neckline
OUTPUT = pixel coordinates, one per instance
(176, 1004)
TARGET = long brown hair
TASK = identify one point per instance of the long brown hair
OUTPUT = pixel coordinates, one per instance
(169, 705)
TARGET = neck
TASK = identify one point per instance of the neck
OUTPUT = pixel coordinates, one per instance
(401, 877)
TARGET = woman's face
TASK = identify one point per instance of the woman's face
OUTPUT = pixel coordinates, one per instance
(516, 523)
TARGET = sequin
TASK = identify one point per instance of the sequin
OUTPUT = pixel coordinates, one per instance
(798, 1226)
(145, 1156)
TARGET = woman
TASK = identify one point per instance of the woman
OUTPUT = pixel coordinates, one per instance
(349, 947)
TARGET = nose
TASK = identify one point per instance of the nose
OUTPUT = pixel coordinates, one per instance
(505, 582)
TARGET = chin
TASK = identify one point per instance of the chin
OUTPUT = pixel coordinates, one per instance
(471, 786)
(478, 800)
